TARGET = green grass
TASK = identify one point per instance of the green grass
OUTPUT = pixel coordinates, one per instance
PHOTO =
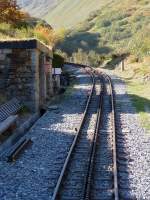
(119, 26)
(8, 31)
(140, 95)
(138, 88)
(68, 13)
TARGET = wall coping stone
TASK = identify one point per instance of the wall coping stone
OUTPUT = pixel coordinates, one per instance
(31, 43)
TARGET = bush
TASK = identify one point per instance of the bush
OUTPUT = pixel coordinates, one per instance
(105, 23)
(45, 34)
(92, 58)
(119, 16)
(138, 18)
(10, 13)
(122, 23)
(58, 61)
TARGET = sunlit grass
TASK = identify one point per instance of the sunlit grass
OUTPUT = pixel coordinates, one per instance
(138, 88)
(44, 34)
(140, 94)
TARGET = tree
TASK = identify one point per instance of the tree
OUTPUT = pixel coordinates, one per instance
(92, 58)
(10, 12)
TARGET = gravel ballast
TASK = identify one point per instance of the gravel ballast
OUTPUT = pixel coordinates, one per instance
(134, 167)
(34, 174)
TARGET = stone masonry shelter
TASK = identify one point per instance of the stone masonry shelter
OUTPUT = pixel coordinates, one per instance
(26, 72)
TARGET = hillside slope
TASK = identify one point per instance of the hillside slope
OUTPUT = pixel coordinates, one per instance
(37, 8)
(118, 27)
(68, 13)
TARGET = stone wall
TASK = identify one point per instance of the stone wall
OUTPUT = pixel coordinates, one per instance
(25, 72)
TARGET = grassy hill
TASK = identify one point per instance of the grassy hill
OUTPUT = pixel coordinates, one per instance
(119, 26)
(68, 13)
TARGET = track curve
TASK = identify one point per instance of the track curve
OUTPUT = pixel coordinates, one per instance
(78, 177)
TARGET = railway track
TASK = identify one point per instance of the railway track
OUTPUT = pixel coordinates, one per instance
(104, 182)
(90, 169)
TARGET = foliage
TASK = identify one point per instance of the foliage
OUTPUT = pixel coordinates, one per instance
(58, 61)
(105, 23)
(62, 54)
(45, 34)
(10, 13)
(90, 59)
(140, 44)
(18, 24)
(61, 34)
(118, 27)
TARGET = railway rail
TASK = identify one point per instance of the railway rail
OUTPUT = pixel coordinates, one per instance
(90, 169)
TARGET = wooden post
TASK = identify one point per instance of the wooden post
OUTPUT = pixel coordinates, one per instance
(122, 65)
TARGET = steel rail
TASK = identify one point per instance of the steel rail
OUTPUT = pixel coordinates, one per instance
(94, 144)
(57, 188)
(115, 173)
(116, 192)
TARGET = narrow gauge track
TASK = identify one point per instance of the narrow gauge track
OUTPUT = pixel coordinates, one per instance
(102, 182)
(90, 169)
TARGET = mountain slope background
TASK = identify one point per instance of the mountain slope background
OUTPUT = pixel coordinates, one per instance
(38, 8)
(62, 13)
(118, 27)
(68, 13)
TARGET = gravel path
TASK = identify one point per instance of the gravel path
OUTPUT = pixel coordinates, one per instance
(134, 170)
(34, 175)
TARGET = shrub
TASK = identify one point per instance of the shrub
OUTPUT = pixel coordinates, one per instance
(138, 18)
(122, 23)
(58, 61)
(119, 16)
(45, 34)
(105, 23)
(9, 12)
(24, 33)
